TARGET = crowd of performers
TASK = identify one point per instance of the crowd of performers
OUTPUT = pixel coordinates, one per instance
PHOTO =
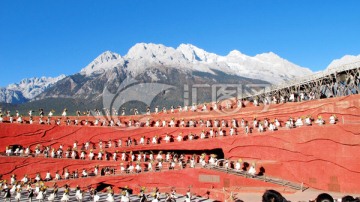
(38, 191)
(215, 127)
(134, 162)
(138, 162)
(134, 111)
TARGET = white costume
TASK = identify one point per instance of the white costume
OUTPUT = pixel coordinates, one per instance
(65, 197)
(272, 127)
(40, 196)
(299, 122)
(96, 171)
(66, 175)
(84, 173)
(237, 166)
(48, 176)
(252, 170)
(159, 165)
(233, 123)
(186, 108)
(212, 160)
(18, 195)
(96, 198)
(138, 168)
(193, 108)
(319, 121)
(159, 157)
(131, 169)
(79, 195)
(57, 176)
(202, 135)
(232, 131)
(182, 123)
(332, 119)
(277, 123)
(64, 113)
(154, 140)
(261, 128)
(124, 199)
(221, 132)
(110, 197)
(167, 138)
(51, 197)
(172, 123)
(91, 155)
(150, 166)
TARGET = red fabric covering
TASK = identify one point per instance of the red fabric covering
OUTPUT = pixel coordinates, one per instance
(322, 157)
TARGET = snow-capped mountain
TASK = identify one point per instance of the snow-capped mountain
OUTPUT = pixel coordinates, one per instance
(27, 89)
(267, 66)
(347, 59)
(186, 64)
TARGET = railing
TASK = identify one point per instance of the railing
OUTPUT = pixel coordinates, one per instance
(264, 178)
(309, 78)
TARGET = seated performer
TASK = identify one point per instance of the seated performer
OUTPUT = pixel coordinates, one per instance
(332, 119)
(252, 170)
(238, 165)
(299, 122)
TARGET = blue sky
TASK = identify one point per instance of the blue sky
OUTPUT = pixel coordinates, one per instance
(49, 38)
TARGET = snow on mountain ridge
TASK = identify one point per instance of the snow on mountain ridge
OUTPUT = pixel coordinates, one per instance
(11, 96)
(31, 87)
(103, 62)
(193, 54)
(143, 55)
(235, 53)
(347, 59)
(187, 57)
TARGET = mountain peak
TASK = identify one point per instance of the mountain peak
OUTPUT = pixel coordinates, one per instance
(106, 57)
(188, 46)
(195, 54)
(102, 62)
(268, 55)
(148, 51)
(109, 55)
(235, 53)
